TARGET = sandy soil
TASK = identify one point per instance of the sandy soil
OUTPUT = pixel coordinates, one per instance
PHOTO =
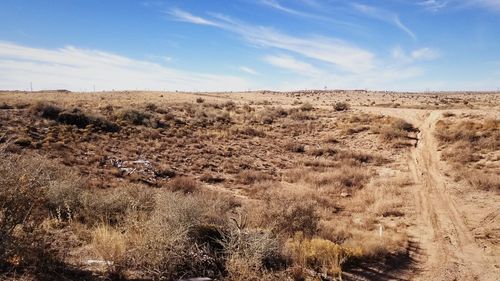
(449, 250)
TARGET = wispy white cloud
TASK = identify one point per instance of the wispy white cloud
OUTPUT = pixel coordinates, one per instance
(331, 61)
(425, 54)
(248, 70)
(275, 4)
(79, 69)
(384, 78)
(292, 64)
(311, 3)
(433, 5)
(184, 16)
(422, 54)
(436, 5)
(334, 51)
(488, 4)
(384, 15)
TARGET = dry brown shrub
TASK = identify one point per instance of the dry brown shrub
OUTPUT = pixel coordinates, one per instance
(67, 200)
(248, 177)
(46, 110)
(306, 107)
(23, 181)
(4, 105)
(287, 214)
(74, 116)
(137, 117)
(465, 156)
(356, 130)
(482, 180)
(181, 237)
(81, 120)
(346, 177)
(294, 146)
(341, 106)
(250, 254)
(250, 131)
(370, 246)
(183, 184)
(322, 151)
(268, 115)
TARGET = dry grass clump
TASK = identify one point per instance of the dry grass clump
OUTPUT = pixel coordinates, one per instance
(306, 107)
(4, 105)
(248, 177)
(475, 140)
(322, 151)
(301, 115)
(250, 131)
(295, 147)
(23, 142)
(486, 133)
(331, 180)
(286, 214)
(396, 130)
(268, 115)
(73, 116)
(210, 115)
(381, 197)
(67, 200)
(354, 158)
(139, 118)
(482, 180)
(183, 184)
(324, 257)
(81, 120)
(46, 110)
(341, 106)
(110, 245)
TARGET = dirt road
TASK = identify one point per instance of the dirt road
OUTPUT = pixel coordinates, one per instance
(449, 250)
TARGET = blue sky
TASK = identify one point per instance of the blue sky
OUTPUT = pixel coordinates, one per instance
(236, 45)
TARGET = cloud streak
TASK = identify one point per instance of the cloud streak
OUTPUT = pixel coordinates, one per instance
(437, 5)
(274, 4)
(79, 69)
(386, 16)
(183, 16)
(339, 53)
(248, 70)
(422, 54)
(289, 63)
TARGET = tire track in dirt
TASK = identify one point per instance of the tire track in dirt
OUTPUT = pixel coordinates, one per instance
(448, 248)
(451, 250)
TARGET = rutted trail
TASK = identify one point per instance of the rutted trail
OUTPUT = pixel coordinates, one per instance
(449, 249)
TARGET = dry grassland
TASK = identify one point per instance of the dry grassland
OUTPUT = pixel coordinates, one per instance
(233, 186)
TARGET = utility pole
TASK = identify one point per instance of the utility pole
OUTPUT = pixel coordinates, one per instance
(94, 88)
(31, 86)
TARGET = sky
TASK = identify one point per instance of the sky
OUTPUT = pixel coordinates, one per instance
(236, 45)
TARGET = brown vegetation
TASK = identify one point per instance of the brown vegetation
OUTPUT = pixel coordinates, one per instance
(470, 144)
(218, 186)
